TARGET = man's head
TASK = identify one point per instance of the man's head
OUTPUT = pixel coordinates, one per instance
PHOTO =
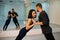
(39, 7)
(12, 10)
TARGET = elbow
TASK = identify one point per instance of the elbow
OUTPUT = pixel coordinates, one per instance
(27, 27)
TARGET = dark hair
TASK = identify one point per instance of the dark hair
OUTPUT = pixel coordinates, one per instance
(39, 4)
(9, 12)
(30, 13)
(12, 8)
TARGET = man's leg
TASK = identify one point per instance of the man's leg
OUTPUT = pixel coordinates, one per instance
(15, 21)
(49, 36)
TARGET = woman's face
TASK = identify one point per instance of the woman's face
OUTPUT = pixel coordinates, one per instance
(33, 14)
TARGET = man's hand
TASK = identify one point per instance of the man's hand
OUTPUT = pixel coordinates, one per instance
(13, 16)
(39, 23)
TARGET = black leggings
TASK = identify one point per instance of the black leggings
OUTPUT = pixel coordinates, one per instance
(16, 22)
(6, 24)
(22, 33)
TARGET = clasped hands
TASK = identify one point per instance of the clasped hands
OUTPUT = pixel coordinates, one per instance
(37, 22)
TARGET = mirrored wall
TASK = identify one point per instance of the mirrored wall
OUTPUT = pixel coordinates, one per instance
(21, 7)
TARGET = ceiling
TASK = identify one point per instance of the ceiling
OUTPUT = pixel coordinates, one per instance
(14, 1)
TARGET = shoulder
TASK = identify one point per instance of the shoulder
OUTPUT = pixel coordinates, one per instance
(29, 19)
(44, 13)
(14, 12)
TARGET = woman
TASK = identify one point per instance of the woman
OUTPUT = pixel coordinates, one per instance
(29, 25)
(7, 21)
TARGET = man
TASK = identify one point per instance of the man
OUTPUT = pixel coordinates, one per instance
(44, 23)
(14, 16)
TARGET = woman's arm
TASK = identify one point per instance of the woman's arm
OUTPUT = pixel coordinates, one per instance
(38, 23)
(8, 15)
(13, 16)
(33, 21)
(28, 26)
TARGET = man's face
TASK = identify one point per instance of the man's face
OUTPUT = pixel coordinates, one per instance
(12, 11)
(37, 8)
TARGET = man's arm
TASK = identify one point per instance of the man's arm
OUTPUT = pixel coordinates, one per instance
(39, 23)
(12, 16)
(44, 21)
(16, 14)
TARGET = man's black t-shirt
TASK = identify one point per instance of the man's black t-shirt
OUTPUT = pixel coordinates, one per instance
(43, 17)
(15, 14)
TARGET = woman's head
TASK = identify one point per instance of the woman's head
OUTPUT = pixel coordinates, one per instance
(9, 11)
(32, 14)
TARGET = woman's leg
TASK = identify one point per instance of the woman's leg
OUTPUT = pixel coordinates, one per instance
(4, 27)
(22, 34)
(6, 24)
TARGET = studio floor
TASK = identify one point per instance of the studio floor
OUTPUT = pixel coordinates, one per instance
(34, 34)
(33, 37)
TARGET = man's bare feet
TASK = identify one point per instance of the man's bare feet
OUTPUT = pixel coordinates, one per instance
(17, 28)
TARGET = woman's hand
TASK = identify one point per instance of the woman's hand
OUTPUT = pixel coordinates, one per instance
(34, 22)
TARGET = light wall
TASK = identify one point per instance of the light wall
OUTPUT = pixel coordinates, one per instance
(54, 12)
